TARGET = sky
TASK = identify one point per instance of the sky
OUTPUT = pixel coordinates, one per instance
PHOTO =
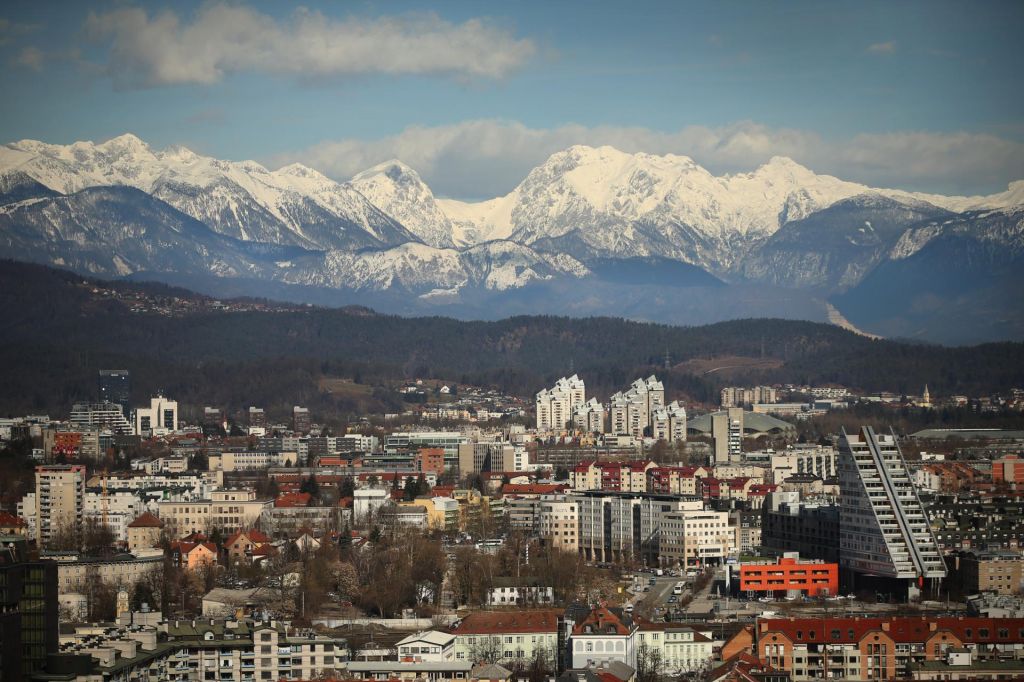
(922, 96)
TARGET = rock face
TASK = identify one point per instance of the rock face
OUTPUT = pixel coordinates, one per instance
(594, 215)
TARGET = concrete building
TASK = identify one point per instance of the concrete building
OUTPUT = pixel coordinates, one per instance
(229, 510)
(144, 532)
(60, 501)
(555, 406)
(727, 436)
(508, 637)
(884, 530)
(366, 502)
(632, 412)
(617, 526)
(28, 611)
(159, 419)
(109, 416)
(589, 417)
(789, 576)
(301, 420)
(669, 423)
(114, 386)
(999, 572)
(734, 396)
(558, 522)
(809, 529)
(694, 538)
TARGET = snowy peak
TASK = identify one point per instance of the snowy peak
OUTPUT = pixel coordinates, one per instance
(398, 190)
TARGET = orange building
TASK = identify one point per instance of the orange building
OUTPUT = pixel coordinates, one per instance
(812, 578)
(430, 459)
(1008, 469)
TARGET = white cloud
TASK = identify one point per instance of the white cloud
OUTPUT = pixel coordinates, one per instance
(31, 58)
(162, 49)
(882, 48)
(486, 158)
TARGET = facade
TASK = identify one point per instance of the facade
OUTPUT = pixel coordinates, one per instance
(114, 386)
(558, 522)
(159, 419)
(406, 443)
(108, 415)
(556, 406)
(880, 648)
(60, 501)
(76, 572)
(1001, 573)
(734, 396)
(789, 525)
(228, 510)
(694, 538)
(669, 423)
(727, 435)
(589, 417)
(789, 576)
(632, 411)
(301, 421)
(507, 637)
(681, 650)
(1008, 469)
(884, 530)
(602, 637)
(819, 460)
(28, 611)
(616, 526)
(144, 532)
(427, 647)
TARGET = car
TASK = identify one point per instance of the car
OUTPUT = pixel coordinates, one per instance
(766, 599)
(791, 598)
(647, 588)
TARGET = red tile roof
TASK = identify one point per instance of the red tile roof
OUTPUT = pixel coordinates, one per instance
(902, 630)
(602, 621)
(293, 500)
(11, 521)
(533, 488)
(147, 520)
(498, 622)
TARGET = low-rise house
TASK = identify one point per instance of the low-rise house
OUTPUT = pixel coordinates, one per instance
(144, 532)
(430, 646)
(507, 637)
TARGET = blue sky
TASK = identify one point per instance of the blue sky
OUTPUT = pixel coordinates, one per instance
(924, 96)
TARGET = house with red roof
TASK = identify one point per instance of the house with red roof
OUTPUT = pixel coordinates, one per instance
(12, 525)
(506, 637)
(293, 499)
(144, 532)
(239, 546)
(603, 636)
(194, 555)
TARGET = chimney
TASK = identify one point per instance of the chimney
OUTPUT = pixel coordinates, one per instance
(885, 626)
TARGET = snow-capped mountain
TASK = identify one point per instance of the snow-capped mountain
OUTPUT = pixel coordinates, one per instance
(398, 190)
(294, 205)
(598, 215)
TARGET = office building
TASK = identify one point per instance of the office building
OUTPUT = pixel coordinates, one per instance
(159, 419)
(884, 531)
(789, 576)
(620, 526)
(114, 386)
(28, 611)
(301, 421)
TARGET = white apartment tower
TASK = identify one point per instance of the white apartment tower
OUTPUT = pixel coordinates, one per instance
(669, 423)
(633, 411)
(60, 501)
(556, 406)
(589, 417)
(883, 528)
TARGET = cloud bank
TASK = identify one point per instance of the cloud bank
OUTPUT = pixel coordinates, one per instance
(487, 158)
(163, 49)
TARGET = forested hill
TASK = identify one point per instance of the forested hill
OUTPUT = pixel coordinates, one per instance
(57, 330)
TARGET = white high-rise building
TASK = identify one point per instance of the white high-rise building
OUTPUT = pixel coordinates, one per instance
(589, 417)
(60, 501)
(556, 406)
(159, 419)
(669, 423)
(884, 530)
(633, 411)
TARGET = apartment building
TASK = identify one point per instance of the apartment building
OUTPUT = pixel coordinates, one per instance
(999, 572)
(632, 411)
(735, 396)
(246, 460)
(884, 530)
(75, 572)
(229, 510)
(107, 415)
(819, 460)
(880, 648)
(555, 406)
(60, 500)
(669, 423)
(589, 417)
(789, 576)
(558, 522)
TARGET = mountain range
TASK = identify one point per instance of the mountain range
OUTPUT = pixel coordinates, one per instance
(589, 231)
